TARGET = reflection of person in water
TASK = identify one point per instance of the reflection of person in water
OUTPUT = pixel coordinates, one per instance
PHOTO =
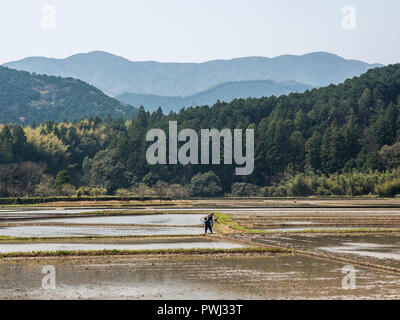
(209, 222)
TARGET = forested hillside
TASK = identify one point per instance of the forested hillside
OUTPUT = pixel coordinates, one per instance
(328, 130)
(27, 98)
(341, 139)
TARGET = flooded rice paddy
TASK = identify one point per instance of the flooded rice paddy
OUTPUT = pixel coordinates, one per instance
(60, 231)
(77, 226)
(40, 247)
(294, 229)
(157, 219)
(193, 277)
(367, 249)
(18, 214)
(380, 251)
(313, 271)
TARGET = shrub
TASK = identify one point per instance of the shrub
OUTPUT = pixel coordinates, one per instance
(388, 189)
(46, 187)
(206, 184)
(299, 187)
(68, 190)
(242, 189)
(90, 192)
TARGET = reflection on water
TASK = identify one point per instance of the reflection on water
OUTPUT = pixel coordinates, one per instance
(36, 231)
(32, 247)
(296, 222)
(11, 214)
(194, 277)
(380, 251)
(159, 219)
(307, 229)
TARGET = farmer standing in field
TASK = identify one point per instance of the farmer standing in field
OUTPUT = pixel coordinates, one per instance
(209, 222)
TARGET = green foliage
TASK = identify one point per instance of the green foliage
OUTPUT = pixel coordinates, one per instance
(337, 140)
(46, 188)
(390, 156)
(227, 220)
(62, 179)
(123, 193)
(68, 190)
(300, 186)
(90, 192)
(105, 170)
(205, 185)
(27, 98)
(13, 145)
(38, 200)
(328, 130)
(242, 189)
(388, 188)
(385, 184)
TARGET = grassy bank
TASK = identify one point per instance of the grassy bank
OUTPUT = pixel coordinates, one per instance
(62, 253)
(39, 200)
(229, 222)
(79, 238)
(207, 204)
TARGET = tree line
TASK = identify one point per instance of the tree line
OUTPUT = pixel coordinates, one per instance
(305, 141)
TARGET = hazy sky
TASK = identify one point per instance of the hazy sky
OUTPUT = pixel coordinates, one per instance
(200, 30)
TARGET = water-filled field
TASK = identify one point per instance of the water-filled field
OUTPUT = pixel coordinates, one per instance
(60, 231)
(157, 219)
(41, 247)
(323, 240)
(193, 277)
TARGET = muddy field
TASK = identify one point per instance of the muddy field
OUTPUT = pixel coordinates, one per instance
(324, 236)
(280, 277)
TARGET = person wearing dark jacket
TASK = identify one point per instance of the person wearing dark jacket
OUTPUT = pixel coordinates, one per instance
(209, 223)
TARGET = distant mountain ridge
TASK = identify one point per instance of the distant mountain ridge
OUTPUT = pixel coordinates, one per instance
(26, 98)
(224, 92)
(116, 75)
